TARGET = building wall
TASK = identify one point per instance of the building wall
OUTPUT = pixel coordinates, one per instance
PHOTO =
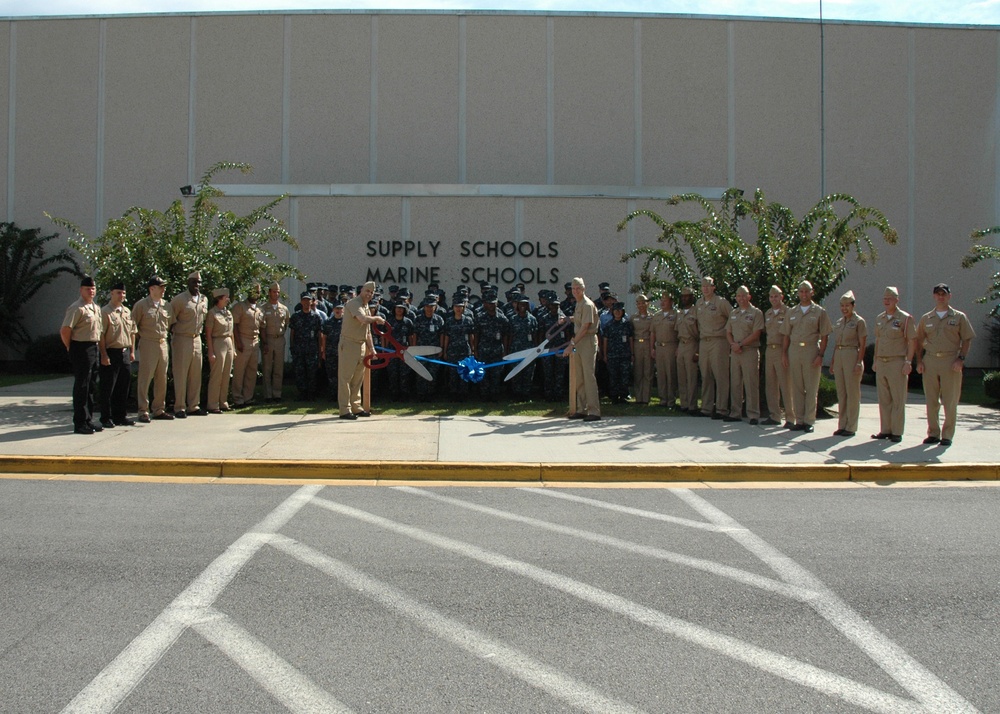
(506, 142)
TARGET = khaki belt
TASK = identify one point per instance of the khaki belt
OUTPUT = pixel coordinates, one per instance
(640, 339)
(663, 344)
(890, 359)
(949, 353)
(804, 344)
(847, 347)
(686, 340)
(714, 337)
(179, 334)
(774, 346)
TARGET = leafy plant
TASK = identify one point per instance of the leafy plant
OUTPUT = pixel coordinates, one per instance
(977, 254)
(991, 385)
(229, 250)
(25, 268)
(786, 250)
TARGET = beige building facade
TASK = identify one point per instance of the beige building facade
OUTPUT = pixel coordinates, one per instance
(507, 146)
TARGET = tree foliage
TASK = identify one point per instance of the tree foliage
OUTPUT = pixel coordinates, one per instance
(229, 250)
(787, 250)
(25, 268)
(978, 253)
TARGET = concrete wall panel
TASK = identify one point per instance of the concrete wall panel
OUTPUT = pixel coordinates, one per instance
(330, 99)
(594, 101)
(238, 117)
(145, 112)
(5, 30)
(417, 99)
(506, 99)
(685, 119)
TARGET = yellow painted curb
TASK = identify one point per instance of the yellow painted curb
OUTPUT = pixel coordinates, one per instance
(669, 473)
(925, 472)
(110, 465)
(457, 471)
(333, 470)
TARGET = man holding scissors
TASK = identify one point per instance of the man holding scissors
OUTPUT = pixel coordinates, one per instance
(355, 342)
(582, 352)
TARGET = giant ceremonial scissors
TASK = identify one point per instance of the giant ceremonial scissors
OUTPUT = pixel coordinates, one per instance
(408, 354)
(532, 353)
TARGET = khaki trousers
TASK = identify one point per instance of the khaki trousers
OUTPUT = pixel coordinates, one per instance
(713, 358)
(585, 380)
(805, 382)
(274, 366)
(642, 365)
(942, 387)
(777, 385)
(218, 377)
(687, 375)
(891, 383)
(744, 380)
(187, 372)
(245, 372)
(666, 373)
(152, 367)
(350, 374)
(848, 389)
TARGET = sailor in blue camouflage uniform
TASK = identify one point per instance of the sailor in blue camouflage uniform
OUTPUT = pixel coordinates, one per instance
(459, 339)
(306, 327)
(331, 334)
(523, 330)
(492, 329)
(616, 352)
(554, 368)
(428, 329)
(399, 377)
(568, 303)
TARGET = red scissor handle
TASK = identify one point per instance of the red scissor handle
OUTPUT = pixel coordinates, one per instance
(378, 360)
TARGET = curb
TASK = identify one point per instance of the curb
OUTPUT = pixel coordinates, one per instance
(491, 472)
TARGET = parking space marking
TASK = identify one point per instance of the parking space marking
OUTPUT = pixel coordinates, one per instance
(787, 668)
(496, 653)
(116, 681)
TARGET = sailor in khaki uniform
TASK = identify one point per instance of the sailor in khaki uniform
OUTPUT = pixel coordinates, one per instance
(777, 378)
(582, 351)
(806, 332)
(944, 336)
(642, 351)
(687, 353)
(895, 342)
(746, 323)
(664, 337)
(272, 341)
(850, 335)
(80, 333)
(152, 317)
(248, 323)
(117, 347)
(355, 343)
(713, 352)
(219, 341)
(190, 308)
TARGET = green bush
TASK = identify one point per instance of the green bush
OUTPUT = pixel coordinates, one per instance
(991, 385)
(827, 393)
(48, 355)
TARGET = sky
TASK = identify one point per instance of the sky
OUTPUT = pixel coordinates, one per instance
(961, 12)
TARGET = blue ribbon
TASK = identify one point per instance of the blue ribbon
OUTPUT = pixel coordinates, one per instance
(470, 369)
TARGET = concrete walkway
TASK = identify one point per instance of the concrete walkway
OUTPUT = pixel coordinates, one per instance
(36, 437)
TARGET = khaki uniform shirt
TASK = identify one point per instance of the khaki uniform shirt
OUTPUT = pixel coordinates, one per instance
(642, 327)
(774, 323)
(713, 314)
(850, 334)
(807, 329)
(220, 322)
(248, 319)
(276, 318)
(743, 323)
(119, 330)
(665, 327)
(944, 335)
(152, 321)
(189, 314)
(586, 311)
(84, 321)
(892, 333)
(687, 325)
(353, 330)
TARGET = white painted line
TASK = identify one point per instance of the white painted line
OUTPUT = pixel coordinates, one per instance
(285, 683)
(927, 688)
(779, 665)
(116, 681)
(743, 576)
(514, 662)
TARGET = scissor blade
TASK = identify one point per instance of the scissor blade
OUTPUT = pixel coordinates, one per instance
(525, 354)
(415, 365)
(423, 350)
(524, 363)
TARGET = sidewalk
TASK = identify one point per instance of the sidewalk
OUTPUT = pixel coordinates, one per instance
(36, 436)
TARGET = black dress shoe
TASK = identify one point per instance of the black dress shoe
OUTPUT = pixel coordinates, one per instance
(894, 438)
(881, 435)
(163, 416)
(793, 427)
(592, 417)
(215, 411)
(945, 442)
(839, 432)
(753, 422)
(847, 433)
(770, 422)
(107, 424)
(731, 419)
(577, 415)
(348, 416)
(807, 428)
(364, 414)
(125, 422)
(715, 415)
(198, 412)
(180, 414)
(144, 418)
(788, 425)
(932, 440)
(83, 429)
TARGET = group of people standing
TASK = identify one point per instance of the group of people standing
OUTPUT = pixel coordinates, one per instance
(702, 340)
